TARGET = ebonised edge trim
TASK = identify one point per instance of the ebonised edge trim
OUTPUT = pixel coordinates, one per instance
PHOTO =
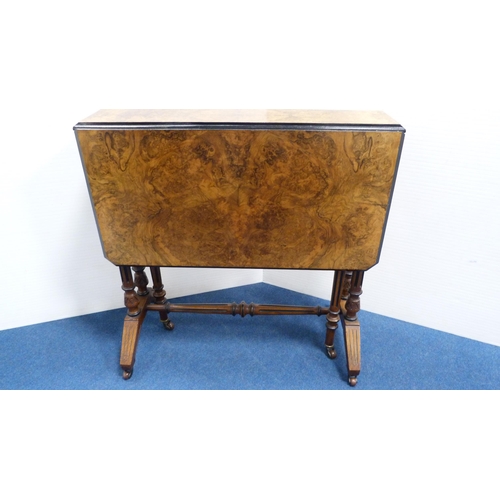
(240, 126)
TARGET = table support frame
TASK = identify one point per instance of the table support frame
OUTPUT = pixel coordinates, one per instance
(343, 309)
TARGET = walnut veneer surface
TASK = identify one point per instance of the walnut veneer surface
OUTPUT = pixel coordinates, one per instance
(257, 188)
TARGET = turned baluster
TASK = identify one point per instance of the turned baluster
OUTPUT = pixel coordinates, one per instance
(141, 281)
(128, 286)
(243, 309)
(159, 295)
(353, 302)
(333, 316)
(346, 285)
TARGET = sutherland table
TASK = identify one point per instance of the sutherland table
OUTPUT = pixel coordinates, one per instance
(271, 189)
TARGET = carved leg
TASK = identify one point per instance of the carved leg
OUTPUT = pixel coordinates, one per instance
(333, 316)
(159, 296)
(136, 312)
(140, 280)
(346, 286)
(128, 286)
(352, 328)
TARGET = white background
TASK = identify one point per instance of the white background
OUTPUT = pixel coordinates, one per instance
(433, 67)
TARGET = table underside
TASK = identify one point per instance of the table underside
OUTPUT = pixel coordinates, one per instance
(343, 309)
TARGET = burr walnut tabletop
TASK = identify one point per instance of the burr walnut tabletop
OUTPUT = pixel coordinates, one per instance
(281, 189)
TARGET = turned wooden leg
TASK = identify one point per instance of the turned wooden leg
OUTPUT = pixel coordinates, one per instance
(346, 286)
(128, 286)
(159, 295)
(333, 316)
(136, 312)
(140, 280)
(351, 326)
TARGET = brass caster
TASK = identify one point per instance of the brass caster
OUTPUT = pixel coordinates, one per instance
(353, 381)
(168, 325)
(127, 373)
(330, 351)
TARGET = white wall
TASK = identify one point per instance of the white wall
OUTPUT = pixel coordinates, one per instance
(432, 66)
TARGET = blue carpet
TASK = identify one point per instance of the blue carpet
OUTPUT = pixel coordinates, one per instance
(225, 352)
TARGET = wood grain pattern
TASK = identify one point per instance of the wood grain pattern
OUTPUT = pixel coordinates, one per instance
(241, 198)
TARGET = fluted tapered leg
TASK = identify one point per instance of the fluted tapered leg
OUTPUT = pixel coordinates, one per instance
(136, 312)
(352, 333)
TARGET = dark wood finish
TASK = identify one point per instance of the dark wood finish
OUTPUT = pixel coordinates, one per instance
(131, 299)
(352, 304)
(242, 309)
(159, 295)
(281, 189)
(346, 285)
(333, 316)
(141, 280)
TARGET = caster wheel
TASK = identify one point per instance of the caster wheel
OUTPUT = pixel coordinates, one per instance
(168, 325)
(353, 381)
(330, 352)
(127, 374)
